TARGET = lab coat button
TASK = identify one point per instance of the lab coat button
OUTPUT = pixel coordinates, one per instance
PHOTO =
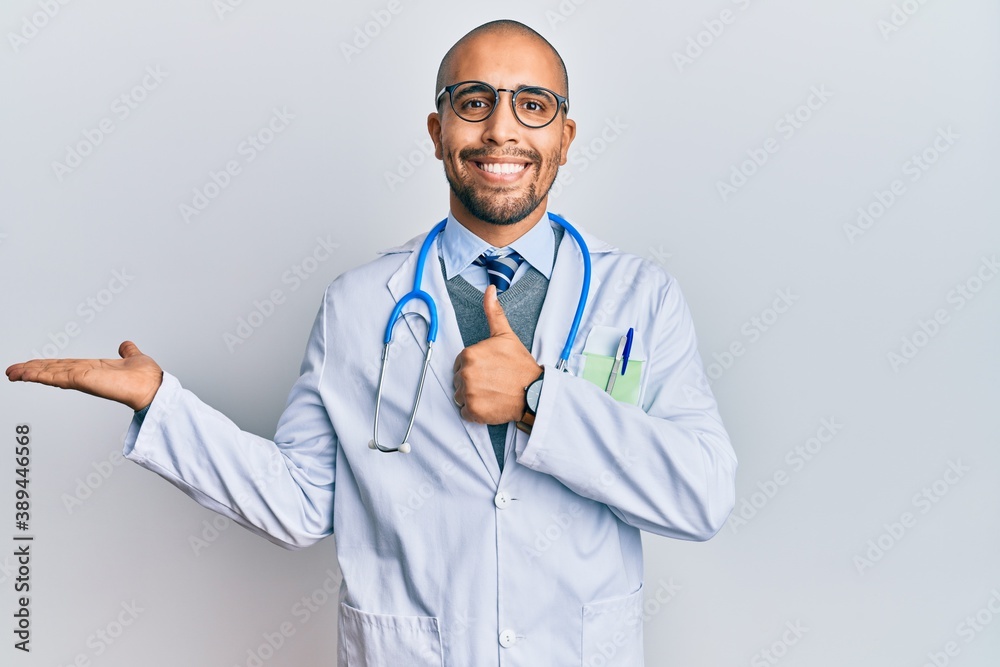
(507, 638)
(501, 500)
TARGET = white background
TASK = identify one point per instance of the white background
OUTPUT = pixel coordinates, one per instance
(108, 535)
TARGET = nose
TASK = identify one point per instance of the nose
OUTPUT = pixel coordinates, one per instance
(502, 125)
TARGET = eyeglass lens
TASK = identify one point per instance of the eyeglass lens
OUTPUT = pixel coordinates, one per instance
(473, 101)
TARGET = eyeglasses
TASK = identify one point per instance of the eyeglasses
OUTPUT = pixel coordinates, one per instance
(475, 101)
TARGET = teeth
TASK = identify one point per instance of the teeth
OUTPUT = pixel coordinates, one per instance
(502, 167)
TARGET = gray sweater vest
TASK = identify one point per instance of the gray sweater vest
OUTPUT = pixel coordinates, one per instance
(522, 302)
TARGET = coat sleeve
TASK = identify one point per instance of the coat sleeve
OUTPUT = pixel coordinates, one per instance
(666, 467)
(282, 490)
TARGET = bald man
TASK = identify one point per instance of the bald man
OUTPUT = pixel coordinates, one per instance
(510, 533)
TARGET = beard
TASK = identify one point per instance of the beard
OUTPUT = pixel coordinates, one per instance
(491, 205)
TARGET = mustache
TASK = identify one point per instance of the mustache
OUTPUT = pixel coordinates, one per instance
(473, 153)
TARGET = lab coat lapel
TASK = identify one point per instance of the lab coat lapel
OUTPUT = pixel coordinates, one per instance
(562, 297)
(448, 344)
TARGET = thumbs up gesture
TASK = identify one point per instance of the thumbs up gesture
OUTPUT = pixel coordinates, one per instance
(491, 375)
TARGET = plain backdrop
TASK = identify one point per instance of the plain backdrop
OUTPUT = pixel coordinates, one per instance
(834, 161)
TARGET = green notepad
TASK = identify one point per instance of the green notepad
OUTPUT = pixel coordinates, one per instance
(597, 369)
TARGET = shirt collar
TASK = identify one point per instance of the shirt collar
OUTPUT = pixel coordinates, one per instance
(460, 246)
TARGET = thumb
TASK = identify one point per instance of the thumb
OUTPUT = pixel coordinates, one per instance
(128, 349)
(495, 316)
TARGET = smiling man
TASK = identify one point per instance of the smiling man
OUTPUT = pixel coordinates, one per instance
(509, 534)
(501, 171)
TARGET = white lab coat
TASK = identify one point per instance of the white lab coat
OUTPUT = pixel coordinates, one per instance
(445, 561)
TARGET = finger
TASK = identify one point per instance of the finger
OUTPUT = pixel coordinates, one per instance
(64, 373)
(128, 349)
(495, 316)
(17, 372)
(31, 367)
(459, 362)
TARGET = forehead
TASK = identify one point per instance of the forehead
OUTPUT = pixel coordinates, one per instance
(506, 61)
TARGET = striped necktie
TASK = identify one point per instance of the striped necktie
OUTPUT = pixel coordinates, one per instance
(500, 268)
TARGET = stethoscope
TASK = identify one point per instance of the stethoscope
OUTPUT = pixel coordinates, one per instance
(432, 326)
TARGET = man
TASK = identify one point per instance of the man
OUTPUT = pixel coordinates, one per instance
(486, 543)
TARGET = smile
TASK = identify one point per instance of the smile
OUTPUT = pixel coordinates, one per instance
(503, 168)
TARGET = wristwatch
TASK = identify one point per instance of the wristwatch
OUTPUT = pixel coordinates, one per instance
(531, 395)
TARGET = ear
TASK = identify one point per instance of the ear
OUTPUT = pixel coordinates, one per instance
(568, 134)
(434, 129)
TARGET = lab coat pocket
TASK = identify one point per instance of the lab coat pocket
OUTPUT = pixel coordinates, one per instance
(376, 640)
(575, 363)
(612, 631)
(597, 369)
(599, 361)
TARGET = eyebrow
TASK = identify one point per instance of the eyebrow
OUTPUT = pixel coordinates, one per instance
(517, 86)
(476, 88)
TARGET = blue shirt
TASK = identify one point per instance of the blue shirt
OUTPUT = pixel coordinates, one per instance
(459, 246)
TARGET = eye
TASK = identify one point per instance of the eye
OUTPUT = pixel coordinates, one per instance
(535, 101)
(473, 102)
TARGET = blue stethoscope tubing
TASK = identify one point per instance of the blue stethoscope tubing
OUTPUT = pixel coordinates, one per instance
(432, 325)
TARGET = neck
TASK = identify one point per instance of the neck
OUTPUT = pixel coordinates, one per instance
(498, 236)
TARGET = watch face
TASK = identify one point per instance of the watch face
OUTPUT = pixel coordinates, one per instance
(534, 391)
